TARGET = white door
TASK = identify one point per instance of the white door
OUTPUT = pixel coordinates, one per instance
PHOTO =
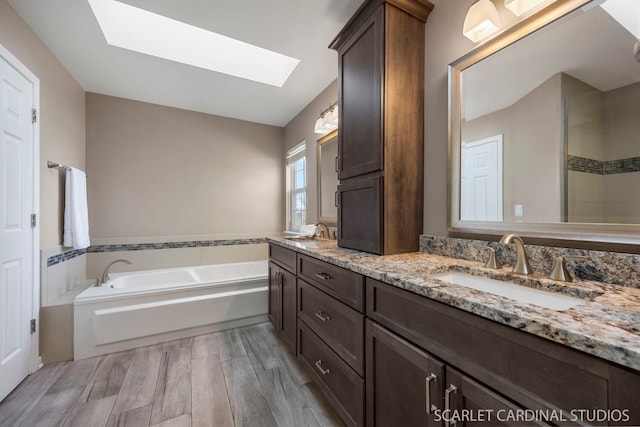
(481, 176)
(16, 232)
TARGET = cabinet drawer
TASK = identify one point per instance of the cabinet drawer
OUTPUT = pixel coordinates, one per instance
(344, 285)
(340, 326)
(285, 257)
(534, 372)
(341, 385)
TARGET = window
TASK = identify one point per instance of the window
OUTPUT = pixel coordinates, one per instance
(296, 187)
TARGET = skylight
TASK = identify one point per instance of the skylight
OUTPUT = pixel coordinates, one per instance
(627, 13)
(142, 31)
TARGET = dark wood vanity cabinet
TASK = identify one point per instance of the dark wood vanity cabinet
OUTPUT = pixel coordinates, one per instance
(380, 138)
(282, 294)
(487, 366)
(331, 333)
(403, 381)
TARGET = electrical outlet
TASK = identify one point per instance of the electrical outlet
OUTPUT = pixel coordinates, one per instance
(518, 210)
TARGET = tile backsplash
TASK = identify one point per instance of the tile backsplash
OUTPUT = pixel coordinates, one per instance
(608, 267)
(65, 272)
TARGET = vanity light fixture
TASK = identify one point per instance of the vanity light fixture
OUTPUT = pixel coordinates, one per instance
(328, 120)
(520, 7)
(481, 21)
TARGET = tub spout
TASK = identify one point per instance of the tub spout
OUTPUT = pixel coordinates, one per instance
(102, 278)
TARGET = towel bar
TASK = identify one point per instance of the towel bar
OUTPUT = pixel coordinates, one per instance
(51, 165)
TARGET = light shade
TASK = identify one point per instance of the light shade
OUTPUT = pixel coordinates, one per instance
(328, 121)
(520, 7)
(481, 21)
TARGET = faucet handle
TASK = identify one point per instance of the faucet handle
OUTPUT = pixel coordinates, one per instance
(493, 261)
(559, 270)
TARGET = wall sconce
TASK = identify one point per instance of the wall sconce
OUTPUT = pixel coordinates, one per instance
(328, 120)
(481, 21)
(520, 7)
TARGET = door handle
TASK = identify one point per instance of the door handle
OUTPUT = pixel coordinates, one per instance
(447, 405)
(427, 386)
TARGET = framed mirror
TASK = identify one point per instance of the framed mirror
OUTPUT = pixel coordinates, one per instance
(327, 178)
(544, 127)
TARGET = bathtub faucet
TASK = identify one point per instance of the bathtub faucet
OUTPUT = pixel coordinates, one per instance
(102, 278)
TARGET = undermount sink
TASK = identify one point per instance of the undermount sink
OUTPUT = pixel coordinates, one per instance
(551, 300)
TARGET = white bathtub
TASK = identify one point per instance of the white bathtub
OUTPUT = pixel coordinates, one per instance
(148, 307)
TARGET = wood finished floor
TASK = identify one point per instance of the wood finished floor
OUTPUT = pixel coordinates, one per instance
(239, 377)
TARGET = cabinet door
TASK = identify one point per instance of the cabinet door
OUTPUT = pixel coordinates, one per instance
(360, 215)
(275, 298)
(468, 403)
(404, 384)
(289, 309)
(360, 64)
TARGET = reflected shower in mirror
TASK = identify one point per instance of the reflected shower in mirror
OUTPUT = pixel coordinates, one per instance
(549, 125)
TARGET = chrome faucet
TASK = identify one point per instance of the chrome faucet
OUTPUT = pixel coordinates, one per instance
(522, 265)
(102, 278)
(324, 230)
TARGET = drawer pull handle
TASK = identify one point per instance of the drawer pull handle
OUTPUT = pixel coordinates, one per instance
(321, 369)
(447, 404)
(323, 276)
(322, 316)
(427, 385)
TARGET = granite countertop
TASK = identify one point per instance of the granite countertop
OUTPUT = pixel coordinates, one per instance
(606, 324)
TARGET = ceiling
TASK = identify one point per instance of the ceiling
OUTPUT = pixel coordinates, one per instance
(590, 45)
(300, 29)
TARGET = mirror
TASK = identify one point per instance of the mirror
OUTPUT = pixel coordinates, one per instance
(327, 178)
(544, 126)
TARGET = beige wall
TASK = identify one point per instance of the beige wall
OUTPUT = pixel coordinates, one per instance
(160, 171)
(301, 128)
(62, 118)
(444, 44)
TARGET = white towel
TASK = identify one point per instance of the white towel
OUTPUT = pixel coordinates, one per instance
(76, 213)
